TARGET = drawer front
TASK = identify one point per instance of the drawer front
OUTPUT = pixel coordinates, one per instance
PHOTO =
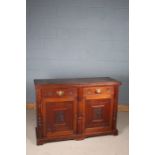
(58, 92)
(102, 91)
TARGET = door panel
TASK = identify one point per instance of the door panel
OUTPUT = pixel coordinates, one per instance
(98, 115)
(59, 117)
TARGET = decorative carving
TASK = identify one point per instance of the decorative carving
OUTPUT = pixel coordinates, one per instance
(39, 113)
(97, 113)
(59, 117)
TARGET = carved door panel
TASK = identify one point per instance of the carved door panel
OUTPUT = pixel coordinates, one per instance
(98, 110)
(59, 117)
(98, 115)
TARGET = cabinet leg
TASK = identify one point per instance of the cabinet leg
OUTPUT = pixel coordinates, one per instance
(40, 142)
(79, 137)
(115, 132)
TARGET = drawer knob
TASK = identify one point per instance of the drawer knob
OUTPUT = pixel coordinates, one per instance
(60, 93)
(98, 91)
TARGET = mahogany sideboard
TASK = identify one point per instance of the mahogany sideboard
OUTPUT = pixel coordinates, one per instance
(75, 108)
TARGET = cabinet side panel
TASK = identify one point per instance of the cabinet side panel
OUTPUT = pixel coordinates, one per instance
(39, 112)
(116, 91)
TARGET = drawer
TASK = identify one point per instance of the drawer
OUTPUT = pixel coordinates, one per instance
(99, 91)
(58, 92)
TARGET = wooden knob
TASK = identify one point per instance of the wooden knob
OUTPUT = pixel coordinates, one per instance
(60, 93)
(98, 91)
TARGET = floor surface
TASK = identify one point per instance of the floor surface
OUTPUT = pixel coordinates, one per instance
(101, 145)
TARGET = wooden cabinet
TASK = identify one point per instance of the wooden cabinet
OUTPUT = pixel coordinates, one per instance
(75, 108)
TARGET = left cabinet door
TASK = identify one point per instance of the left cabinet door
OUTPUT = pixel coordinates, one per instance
(59, 115)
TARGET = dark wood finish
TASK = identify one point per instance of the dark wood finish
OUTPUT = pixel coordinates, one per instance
(75, 108)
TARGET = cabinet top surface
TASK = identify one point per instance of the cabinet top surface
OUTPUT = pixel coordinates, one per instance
(77, 81)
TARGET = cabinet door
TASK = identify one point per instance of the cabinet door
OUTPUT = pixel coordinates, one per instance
(59, 117)
(98, 109)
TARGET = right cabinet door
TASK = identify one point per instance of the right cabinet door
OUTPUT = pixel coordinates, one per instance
(98, 109)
